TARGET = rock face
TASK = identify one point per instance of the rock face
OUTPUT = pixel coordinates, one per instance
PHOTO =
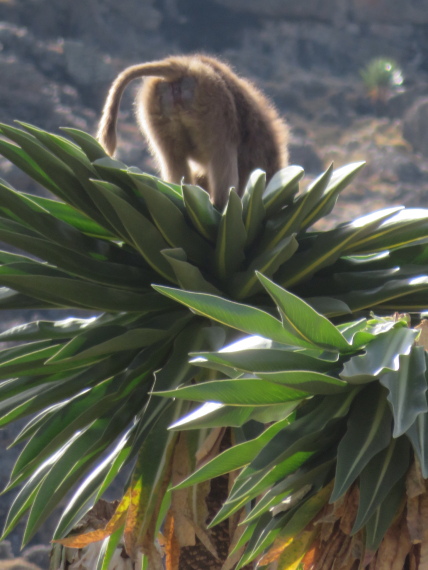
(336, 11)
(415, 126)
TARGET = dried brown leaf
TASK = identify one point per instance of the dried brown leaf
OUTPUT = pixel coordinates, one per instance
(350, 510)
(423, 336)
(332, 550)
(171, 547)
(200, 509)
(205, 538)
(423, 518)
(394, 547)
(415, 483)
(209, 448)
(414, 525)
(180, 500)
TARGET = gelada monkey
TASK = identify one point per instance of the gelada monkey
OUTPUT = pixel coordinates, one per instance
(204, 124)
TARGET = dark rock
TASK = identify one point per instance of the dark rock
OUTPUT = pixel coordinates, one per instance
(311, 9)
(304, 154)
(88, 69)
(6, 552)
(20, 83)
(38, 554)
(415, 126)
(408, 172)
(86, 65)
(400, 102)
(391, 11)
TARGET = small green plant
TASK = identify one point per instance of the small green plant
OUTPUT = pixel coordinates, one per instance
(381, 77)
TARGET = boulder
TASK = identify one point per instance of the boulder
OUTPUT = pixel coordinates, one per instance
(415, 126)
(390, 11)
(6, 552)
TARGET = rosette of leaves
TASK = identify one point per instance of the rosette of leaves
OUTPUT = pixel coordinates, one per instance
(112, 232)
(338, 474)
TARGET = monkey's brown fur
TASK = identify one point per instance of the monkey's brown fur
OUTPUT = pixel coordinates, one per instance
(204, 124)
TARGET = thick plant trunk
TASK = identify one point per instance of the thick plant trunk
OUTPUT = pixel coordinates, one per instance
(198, 557)
(403, 547)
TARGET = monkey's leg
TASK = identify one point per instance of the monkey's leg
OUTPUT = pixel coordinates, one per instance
(174, 166)
(222, 172)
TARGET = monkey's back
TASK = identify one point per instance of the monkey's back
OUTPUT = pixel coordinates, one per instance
(188, 107)
(263, 134)
(252, 120)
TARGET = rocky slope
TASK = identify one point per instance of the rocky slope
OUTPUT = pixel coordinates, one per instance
(57, 60)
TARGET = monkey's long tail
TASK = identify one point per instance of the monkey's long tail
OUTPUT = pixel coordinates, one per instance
(107, 127)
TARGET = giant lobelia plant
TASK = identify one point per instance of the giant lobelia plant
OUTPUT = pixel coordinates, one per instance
(316, 411)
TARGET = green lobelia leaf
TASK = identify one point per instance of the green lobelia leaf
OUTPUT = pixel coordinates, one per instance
(307, 430)
(173, 191)
(142, 233)
(418, 436)
(100, 343)
(409, 226)
(108, 549)
(252, 204)
(76, 459)
(282, 188)
(211, 415)
(383, 516)
(253, 486)
(379, 476)
(312, 472)
(368, 432)
(263, 535)
(188, 276)
(64, 149)
(235, 315)
(34, 213)
(23, 161)
(395, 294)
(90, 146)
(379, 356)
(339, 180)
(231, 238)
(329, 246)
(328, 306)
(301, 320)
(50, 390)
(407, 388)
(289, 220)
(241, 392)
(266, 360)
(90, 489)
(60, 329)
(237, 456)
(245, 283)
(172, 224)
(149, 476)
(60, 425)
(63, 182)
(69, 215)
(312, 382)
(114, 274)
(25, 498)
(114, 171)
(204, 217)
(305, 511)
(57, 288)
